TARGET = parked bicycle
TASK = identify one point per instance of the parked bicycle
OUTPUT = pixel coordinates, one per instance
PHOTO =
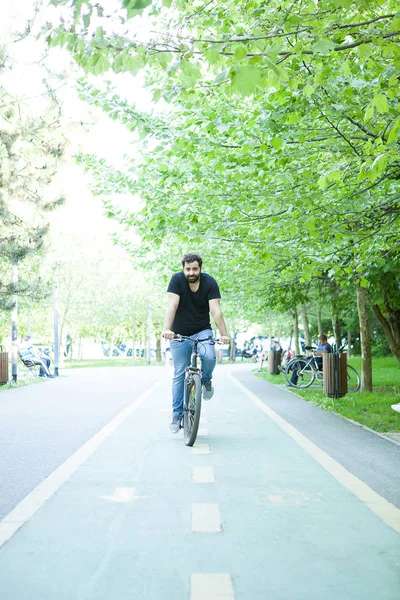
(308, 370)
(192, 391)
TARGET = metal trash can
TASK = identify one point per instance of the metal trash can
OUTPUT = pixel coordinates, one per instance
(334, 368)
(3, 366)
(274, 361)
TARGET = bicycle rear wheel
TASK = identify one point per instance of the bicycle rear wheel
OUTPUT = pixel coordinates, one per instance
(191, 409)
(353, 379)
(304, 370)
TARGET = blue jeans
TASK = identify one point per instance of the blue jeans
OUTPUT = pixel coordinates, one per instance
(181, 352)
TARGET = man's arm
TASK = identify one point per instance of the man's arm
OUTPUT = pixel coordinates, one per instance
(215, 309)
(173, 303)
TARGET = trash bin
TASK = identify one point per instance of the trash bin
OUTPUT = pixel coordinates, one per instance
(274, 361)
(3, 366)
(334, 368)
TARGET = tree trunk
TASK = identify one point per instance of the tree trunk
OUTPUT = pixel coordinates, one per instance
(232, 346)
(133, 342)
(158, 346)
(306, 325)
(349, 353)
(337, 332)
(296, 331)
(365, 337)
(391, 328)
(319, 321)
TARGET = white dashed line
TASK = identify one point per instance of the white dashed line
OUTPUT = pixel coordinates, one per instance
(39, 496)
(203, 432)
(211, 586)
(206, 518)
(201, 449)
(203, 475)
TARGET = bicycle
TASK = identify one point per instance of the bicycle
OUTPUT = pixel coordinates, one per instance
(308, 371)
(192, 391)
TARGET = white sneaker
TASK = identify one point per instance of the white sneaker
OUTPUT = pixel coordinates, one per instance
(396, 407)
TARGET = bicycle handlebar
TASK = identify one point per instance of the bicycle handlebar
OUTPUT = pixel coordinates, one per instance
(182, 338)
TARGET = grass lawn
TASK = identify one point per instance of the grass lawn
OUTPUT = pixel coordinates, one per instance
(371, 409)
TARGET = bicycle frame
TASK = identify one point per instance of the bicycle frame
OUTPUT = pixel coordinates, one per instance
(192, 391)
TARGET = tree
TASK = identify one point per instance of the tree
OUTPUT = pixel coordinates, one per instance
(280, 154)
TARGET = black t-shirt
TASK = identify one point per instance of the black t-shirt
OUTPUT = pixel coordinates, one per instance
(193, 312)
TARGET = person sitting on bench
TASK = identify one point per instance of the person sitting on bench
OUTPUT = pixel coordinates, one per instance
(30, 354)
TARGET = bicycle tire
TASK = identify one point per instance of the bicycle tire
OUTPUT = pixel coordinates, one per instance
(305, 376)
(353, 380)
(192, 409)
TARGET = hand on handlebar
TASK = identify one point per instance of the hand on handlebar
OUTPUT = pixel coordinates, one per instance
(224, 339)
(168, 334)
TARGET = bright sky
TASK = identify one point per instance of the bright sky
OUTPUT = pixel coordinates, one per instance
(108, 139)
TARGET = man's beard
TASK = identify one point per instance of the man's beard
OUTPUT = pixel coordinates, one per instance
(192, 278)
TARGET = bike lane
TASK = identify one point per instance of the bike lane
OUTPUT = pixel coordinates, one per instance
(246, 514)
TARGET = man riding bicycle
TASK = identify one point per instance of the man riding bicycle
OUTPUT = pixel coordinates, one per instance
(192, 295)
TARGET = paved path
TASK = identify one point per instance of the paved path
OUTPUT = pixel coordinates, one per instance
(256, 510)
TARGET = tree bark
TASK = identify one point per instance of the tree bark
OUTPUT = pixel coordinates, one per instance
(337, 331)
(365, 337)
(319, 321)
(349, 352)
(391, 327)
(296, 331)
(306, 325)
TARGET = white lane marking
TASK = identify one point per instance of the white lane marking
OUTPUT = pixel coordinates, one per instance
(201, 449)
(37, 497)
(203, 475)
(124, 495)
(206, 518)
(211, 586)
(389, 513)
(231, 410)
(203, 432)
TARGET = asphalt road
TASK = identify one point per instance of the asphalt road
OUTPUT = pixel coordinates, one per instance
(278, 499)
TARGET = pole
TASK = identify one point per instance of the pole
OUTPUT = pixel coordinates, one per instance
(29, 321)
(55, 329)
(149, 333)
(14, 325)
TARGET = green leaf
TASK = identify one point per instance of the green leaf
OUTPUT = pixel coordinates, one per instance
(99, 63)
(323, 47)
(212, 55)
(221, 77)
(381, 103)
(245, 80)
(369, 113)
(394, 131)
(308, 90)
(276, 143)
(135, 7)
(240, 52)
(167, 3)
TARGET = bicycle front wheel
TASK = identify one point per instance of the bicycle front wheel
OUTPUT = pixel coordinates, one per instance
(192, 409)
(353, 379)
(299, 373)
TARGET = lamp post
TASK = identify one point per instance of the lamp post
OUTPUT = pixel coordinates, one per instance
(149, 298)
(14, 324)
(55, 330)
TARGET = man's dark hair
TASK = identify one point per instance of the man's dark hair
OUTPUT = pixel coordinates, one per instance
(191, 257)
(323, 337)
